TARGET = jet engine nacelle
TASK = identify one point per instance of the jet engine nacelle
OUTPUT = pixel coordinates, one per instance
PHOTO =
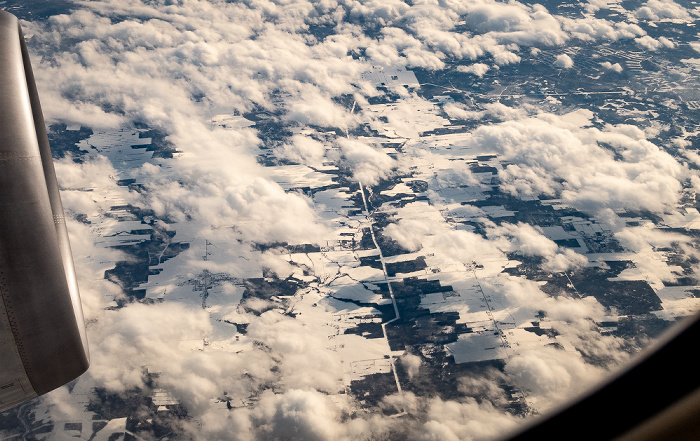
(42, 332)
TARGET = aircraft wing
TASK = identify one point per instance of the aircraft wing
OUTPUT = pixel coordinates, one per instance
(43, 344)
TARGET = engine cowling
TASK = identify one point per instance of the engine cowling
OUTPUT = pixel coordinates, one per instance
(43, 343)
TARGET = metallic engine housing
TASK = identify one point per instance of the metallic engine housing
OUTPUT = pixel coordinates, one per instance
(43, 343)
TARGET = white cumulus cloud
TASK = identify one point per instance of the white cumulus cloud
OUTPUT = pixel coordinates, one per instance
(563, 61)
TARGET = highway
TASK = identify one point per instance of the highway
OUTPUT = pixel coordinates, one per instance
(388, 284)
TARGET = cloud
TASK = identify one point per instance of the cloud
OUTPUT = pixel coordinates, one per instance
(173, 53)
(91, 262)
(396, 46)
(427, 231)
(410, 233)
(424, 34)
(163, 336)
(593, 29)
(553, 375)
(613, 67)
(77, 182)
(666, 42)
(501, 111)
(276, 262)
(165, 62)
(462, 246)
(422, 227)
(385, 12)
(308, 107)
(550, 374)
(514, 23)
(495, 110)
(564, 61)
(648, 43)
(485, 386)
(89, 188)
(297, 414)
(411, 363)
(523, 299)
(526, 240)
(303, 150)
(296, 344)
(558, 156)
(503, 57)
(654, 10)
(291, 415)
(240, 194)
(369, 165)
(646, 240)
(478, 69)
(461, 111)
(130, 338)
(468, 420)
